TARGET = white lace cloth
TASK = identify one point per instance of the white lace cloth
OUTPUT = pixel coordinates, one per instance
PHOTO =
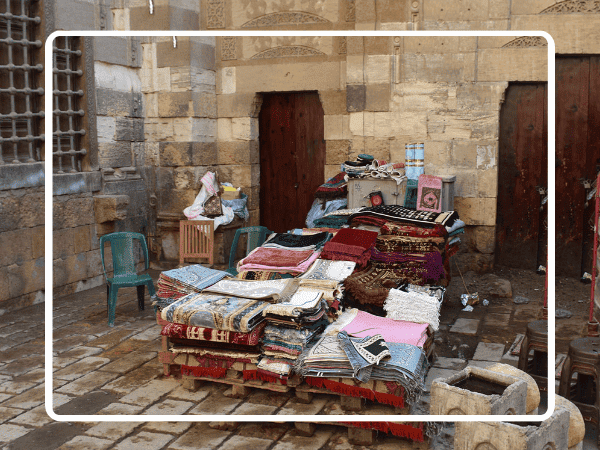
(413, 307)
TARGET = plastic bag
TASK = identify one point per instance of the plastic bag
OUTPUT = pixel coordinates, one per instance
(239, 206)
(318, 209)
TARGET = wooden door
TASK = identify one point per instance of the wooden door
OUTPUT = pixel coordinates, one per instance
(292, 157)
(522, 168)
(577, 153)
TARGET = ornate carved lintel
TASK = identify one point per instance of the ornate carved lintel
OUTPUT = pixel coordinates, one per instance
(573, 6)
(228, 48)
(283, 52)
(526, 41)
(216, 14)
(284, 18)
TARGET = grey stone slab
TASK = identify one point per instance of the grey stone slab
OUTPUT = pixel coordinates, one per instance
(74, 15)
(81, 368)
(8, 413)
(183, 394)
(169, 406)
(253, 408)
(10, 432)
(200, 437)
(465, 326)
(449, 363)
(291, 441)
(150, 392)
(356, 97)
(112, 50)
(35, 417)
(202, 55)
(148, 335)
(293, 406)
(129, 362)
(87, 383)
(482, 364)
(27, 400)
(113, 430)
(510, 359)
(144, 441)
(245, 442)
(168, 427)
(121, 408)
(489, 351)
(86, 443)
(19, 176)
(76, 183)
(216, 404)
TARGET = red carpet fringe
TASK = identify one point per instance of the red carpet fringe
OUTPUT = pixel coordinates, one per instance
(212, 372)
(356, 391)
(397, 429)
(257, 375)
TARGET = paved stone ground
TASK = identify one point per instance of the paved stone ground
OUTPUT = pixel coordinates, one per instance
(103, 370)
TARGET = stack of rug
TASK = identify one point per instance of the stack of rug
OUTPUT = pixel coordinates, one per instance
(292, 325)
(214, 331)
(335, 219)
(350, 244)
(366, 347)
(327, 276)
(417, 307)
(176, 283)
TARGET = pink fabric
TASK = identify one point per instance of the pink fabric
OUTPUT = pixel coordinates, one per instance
(398, 331)
(300, 268)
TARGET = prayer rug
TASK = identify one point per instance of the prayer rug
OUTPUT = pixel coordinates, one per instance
(216, 311)
(278, 260)
(324, 269)
(363, 353)
(414, 307)
(404, 215)
(409, 244)
(297, 241)
(429, 193)
(337, 221)
(350, 244)
(195, 277)
(271, 291)
(176, 330)
(399, 229)
(334, 187)
(305, 299)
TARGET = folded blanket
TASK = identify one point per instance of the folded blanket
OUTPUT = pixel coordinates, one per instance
(278, 260)
(271, 291)
(409, 244)
(335, 221)
(333, 188)
(350, 244)
(414, 307)
(304, 300)
(292, 241)
(216, 311)
(263, 275)
(400, 229)
(188, 279)
(324, 269)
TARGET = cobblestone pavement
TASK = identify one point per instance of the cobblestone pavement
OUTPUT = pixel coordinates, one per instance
(103, 370)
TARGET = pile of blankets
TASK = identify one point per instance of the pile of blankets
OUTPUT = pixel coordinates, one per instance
(350, 244)
(176, 283)
(367, 347)
(284, 253)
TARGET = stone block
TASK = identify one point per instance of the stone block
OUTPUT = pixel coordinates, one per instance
(205, 130)
(438, 68)
(204, 104)
(513, 64)
(487, 183)
(204, 153)
(112, 102)
(576, 424)
(239, 105)
(74, 15)
(377, 97)
(241, 175)
(377, 69)
(202, 55)
(378, 45)
(366, 12)
(238, 152)
(333, 127)
(356, 97)
(144, 441)
(224, 132)
(105, 129)
(464, 153)
(114, 155)
(468, 10)
(17, 247)
(174, 104)
(73, 212)
(244, 128)
(355, 45)
(129, 129)
(551, 433)
(487, 351)
(159, 130)
(112, 50)
(37, 242)
(25, 278)
(504, 394)
(184, 19)
(337, 151)
(167, 56)
(141, 19)
(533, 392)
(333, 101)
(465, 326)
(62, 243)
(109, 208)
(227, 80)
(476, 211)
(175, 154)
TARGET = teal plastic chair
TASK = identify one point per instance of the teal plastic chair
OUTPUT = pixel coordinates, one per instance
(121, 245)
(256, 237)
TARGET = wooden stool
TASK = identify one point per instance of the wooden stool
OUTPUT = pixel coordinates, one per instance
(536, 338)
(584, 360)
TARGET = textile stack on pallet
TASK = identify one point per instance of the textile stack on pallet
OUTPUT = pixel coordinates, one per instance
(176, 283)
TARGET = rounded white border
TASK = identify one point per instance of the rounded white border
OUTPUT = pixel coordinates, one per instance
(293, 418)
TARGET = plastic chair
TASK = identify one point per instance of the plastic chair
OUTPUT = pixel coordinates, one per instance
(256, 237)
(121, 245)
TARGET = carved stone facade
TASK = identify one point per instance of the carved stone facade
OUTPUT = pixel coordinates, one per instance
(526, 41)
(228, 48)
(284, 52)
(284, 18)
(216, 14)
(343, 43)
(350, 11)
(574, 6)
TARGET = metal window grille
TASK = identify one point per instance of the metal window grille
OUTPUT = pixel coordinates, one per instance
(20, 96)
(67, 97)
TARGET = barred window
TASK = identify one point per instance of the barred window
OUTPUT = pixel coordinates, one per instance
(21, 78)
(68, 93)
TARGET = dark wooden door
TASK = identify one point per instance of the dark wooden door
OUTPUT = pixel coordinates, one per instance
(577, 153)
(292, 157)
(522, 169)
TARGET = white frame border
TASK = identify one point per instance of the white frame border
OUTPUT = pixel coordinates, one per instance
(48, 194)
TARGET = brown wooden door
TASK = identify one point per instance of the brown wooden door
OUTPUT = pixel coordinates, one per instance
(577, 153)
(522, 168)
(292, 157)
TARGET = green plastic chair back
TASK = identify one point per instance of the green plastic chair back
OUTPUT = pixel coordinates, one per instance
(256, 237)
(125, 275)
